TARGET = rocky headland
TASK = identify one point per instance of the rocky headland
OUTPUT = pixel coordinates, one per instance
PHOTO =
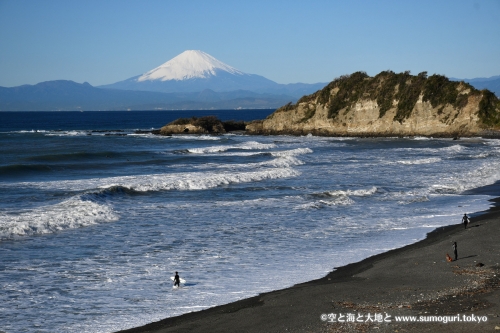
(202, 125)
(388, 104)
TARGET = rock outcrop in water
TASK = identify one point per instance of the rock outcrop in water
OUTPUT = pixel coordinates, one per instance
(202, 125)
(388, 104)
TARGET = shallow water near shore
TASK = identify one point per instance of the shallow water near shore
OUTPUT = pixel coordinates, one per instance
(95, 220)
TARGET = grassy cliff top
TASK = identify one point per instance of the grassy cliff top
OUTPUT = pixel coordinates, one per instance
(402, 90)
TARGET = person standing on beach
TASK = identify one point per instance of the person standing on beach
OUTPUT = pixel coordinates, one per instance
(465, 220)
(455, 250)
(177, 280)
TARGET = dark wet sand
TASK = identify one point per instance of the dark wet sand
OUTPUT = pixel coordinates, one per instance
(413, 280)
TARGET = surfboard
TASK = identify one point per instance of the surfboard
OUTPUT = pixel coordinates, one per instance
(181, 279)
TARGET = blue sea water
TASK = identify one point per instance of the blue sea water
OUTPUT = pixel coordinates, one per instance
(95, 218)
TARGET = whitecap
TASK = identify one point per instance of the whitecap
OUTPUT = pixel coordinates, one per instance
(292, 152)
(420, 161)
(69, 214)
(68, 133)
(196, 137)
(164, 182)
(358, 193)
(251, 145)
(318, 204)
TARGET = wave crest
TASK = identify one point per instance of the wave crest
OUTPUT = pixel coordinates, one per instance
(73, 213)
(251, 145)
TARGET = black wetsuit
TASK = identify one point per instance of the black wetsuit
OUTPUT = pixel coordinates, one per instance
(455, 250)
(465, 220)
(177, 280)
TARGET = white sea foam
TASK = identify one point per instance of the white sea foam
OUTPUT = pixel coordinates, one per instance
(149, 135)
(69, 214)
(449, 149)
(29, 131)
(453, 149)
(197, 137)
(420, 161)
(204, 180)
(239, 153)
(165, 182)
(68, 133)
(318, 204)
(357, 193)
(482, 155)
(292, 152)
(414, 199)
(486, 174)
(271, 202)
(281, 162)
(337, 198)
(251, 145)
(492, 142)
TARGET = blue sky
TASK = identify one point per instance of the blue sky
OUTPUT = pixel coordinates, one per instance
(291, 41)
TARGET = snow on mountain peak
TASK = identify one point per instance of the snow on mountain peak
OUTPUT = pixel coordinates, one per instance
(188, 65)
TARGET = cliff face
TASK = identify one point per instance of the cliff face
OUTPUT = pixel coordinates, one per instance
(386, 105)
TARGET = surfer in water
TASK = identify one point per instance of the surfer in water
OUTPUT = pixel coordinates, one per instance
(177, 280)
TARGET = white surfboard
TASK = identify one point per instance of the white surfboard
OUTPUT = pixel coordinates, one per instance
(181, 279)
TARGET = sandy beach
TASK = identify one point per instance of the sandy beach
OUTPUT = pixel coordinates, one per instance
(370, 295)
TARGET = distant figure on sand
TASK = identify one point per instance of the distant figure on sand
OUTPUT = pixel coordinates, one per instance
(465, 220)
(455, 250)
(177, 280)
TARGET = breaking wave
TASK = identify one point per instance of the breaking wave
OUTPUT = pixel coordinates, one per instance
(93, 207)
(420, 161)
(336, 198)
(163, 182)
(345, 193)
(292, 152)
(73, 213)
(251, 145)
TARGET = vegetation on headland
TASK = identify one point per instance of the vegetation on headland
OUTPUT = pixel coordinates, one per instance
(488, 109)
(401, 91)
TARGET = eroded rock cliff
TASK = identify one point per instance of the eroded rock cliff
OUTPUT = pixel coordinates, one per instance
(388, 104)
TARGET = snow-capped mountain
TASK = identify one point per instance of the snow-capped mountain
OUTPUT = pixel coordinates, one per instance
(189, 64)
(195, 71)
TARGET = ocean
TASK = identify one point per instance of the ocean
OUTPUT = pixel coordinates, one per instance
(95, 218)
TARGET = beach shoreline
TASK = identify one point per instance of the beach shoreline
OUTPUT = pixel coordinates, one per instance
(414, 280)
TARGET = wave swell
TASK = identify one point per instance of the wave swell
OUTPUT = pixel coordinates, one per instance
(73, 213)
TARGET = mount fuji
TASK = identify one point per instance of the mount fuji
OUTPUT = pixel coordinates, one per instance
(196, 71)
(193, 80)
